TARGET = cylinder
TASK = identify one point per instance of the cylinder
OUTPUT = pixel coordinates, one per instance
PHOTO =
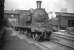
(39, 4)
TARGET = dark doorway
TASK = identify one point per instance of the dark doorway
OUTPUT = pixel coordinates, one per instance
(71, 23)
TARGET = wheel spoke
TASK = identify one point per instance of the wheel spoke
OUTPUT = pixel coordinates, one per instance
(36, 37)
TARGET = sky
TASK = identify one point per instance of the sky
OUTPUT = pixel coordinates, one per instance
(49, 5)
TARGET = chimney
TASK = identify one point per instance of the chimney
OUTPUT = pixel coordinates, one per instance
(39, 4)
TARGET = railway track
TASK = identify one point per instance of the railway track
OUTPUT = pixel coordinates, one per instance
(63, 39)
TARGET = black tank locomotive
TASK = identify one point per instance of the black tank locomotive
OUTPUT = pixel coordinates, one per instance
(36, 24)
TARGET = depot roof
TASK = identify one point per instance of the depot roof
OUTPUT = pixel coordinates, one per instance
(17, 12)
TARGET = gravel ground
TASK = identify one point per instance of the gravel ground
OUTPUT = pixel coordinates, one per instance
(12, 42)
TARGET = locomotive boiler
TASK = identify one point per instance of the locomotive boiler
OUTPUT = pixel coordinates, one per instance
(36, 24)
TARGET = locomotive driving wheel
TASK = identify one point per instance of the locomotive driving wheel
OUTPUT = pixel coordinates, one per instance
(36, 37)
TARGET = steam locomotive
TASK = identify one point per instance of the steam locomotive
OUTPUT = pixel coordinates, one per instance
(36, 24)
